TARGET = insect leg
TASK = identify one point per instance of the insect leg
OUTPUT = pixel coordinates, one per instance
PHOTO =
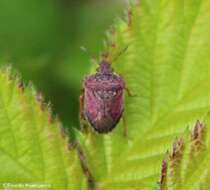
(129, 92)
(83, 121)
(127, 89)
(81, 103)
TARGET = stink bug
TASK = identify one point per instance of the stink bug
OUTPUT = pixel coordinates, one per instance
(102, 100)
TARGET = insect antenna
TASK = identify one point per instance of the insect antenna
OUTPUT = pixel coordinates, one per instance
(120, 53)
(93, 57)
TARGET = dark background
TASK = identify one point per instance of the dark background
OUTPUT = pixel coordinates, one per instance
(41, 39)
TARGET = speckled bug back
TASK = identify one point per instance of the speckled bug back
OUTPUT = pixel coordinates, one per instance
(103, 98)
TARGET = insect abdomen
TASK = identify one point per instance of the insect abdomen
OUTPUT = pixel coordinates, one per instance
(103, 109)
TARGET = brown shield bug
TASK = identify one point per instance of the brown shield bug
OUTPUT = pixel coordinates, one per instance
(102, 101)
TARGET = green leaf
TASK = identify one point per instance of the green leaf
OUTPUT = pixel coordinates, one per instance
(187, 166)
(32, 149)
(167, 68)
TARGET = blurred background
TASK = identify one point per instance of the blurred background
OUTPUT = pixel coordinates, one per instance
(42, 38)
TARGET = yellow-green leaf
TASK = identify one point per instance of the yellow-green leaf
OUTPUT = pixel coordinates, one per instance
(32, 149)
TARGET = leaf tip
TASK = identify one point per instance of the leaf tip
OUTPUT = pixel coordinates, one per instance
(163, 176)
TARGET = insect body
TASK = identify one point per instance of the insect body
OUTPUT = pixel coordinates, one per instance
(103, 98)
